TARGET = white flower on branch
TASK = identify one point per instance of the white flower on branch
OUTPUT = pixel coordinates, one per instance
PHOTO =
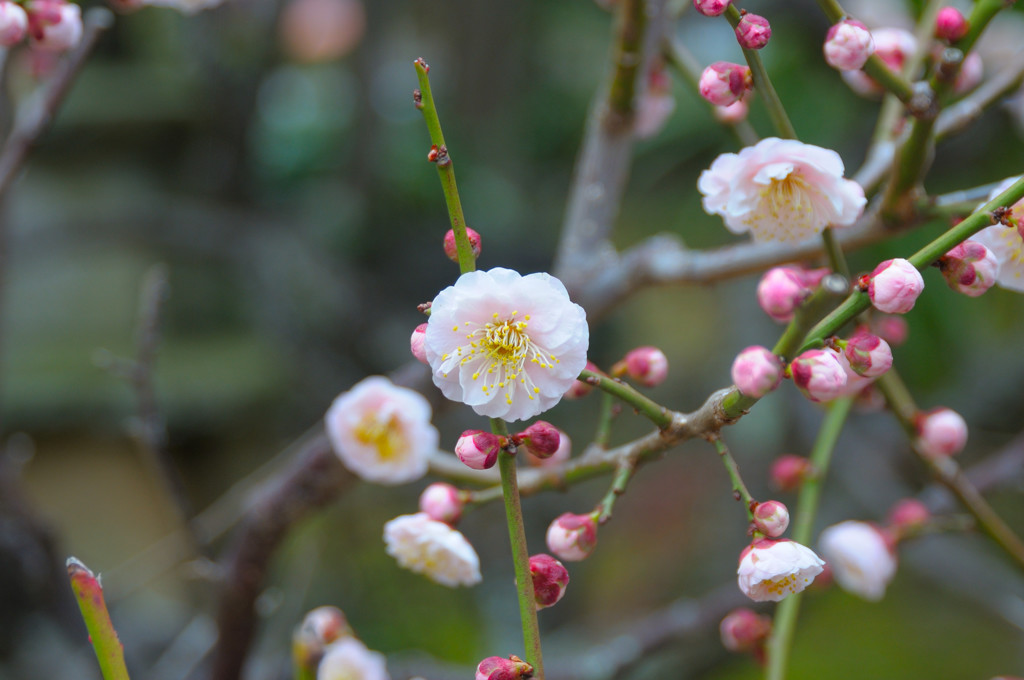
(781, 190)
(432, 548)
(349, 659)
(1006, 243)
(861, 557)
(772, 569)
(507, 345)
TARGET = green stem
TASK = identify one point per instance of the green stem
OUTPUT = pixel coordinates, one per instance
(604, 421)
(653, 411)
(424, 99)
(836, 259)
(623, 473)
(89, 594)
(520, 554)
(628, 57)
(784, 625)
(739, 489)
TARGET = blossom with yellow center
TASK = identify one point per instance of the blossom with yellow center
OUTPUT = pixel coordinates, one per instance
(432, 548)
(1006, 242)
(772, 569)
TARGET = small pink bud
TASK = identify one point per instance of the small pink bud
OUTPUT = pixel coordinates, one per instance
(579, 388)
(499, 668)
(723, 83)
(969, 268)
(550, 578)
(848, 45)
(819, 374)
(893, 46)
(894, 286)
(893, 329)
(646, 365)
(572, 537)
(771, 518)
(541, 439)
(868, 354)
(419, 336)
(13, 23)
(560, 455)
(909, 513)
(442, 502)
(753, 31)
(452, 251)
(756, 371)
(744, 630)
(972, 70)
(54, 25)
(711, 8)
(478, 449)
(780, 292)
(733, 113)
(789, 471)
(950, 24)
(941, 432)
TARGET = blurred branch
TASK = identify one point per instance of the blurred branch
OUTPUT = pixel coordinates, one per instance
(969, 109)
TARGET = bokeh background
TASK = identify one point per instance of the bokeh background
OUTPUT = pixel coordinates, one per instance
(267, 153)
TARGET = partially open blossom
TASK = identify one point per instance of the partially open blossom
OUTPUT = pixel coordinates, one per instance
(478, 449)
(646, 365)
(54, 25)
(319, 628)
(908, 513)
(732, 113)
(541, 439)
(848, 44)
(861, 557)
(781, 190)
(419, 336)
(894, 286)
(13, 23)
(756, 371)
(971, 73)
(950, 24)
(349, 659)
(711, 8)
(771, 569)
(432, 548)
(560, 455)
(789, 471)
(442, 502)
(507, 345)
(969, 268)
(893, 329)
(572, 537)
(382, 432)
(893, 46)
(868, 354)
(744, 630)
(452, 251)
(724, 83)
(771, 518)
(940, 432)
(753, 31)
(819, 374)
(1006, 242)
(550, 577)
(499, 668)
(580, 389)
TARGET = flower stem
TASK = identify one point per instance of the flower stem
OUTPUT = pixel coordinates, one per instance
(520, 553)
(424, 100)
(604, 421)
(781, 640)
(623, 473)
(739, 489)
(89, 594)
(656, 413)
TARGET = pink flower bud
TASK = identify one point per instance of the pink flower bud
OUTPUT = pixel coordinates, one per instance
(478, 449)
(550, 578)
(541, 439)
(893, 46)
(950, 24)
(54, 25)
(969, 268)
(646, 365)
(13, 23)
(572, 537)
(442, 502)
(452, 251)
(848, 45)
(893, 329)
(753, 31)
(780, 292)
(756, 371)
(579, 388)
(733, 113)
(723, 83)
(909, 513)
(744, 630)
(419, 336)
(789, 471)
(894, 286)
(560, 455)
(771, 518)
(941, 432)
(972, 70)
(868, 354)
(711, 8)
(498, 668)
(818, 374)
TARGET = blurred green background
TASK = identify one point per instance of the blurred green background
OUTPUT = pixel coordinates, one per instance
(287, 192)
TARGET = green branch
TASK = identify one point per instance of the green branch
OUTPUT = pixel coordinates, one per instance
(763, 84)
(653, 411)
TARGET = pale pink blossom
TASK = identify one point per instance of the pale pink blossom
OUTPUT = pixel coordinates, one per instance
(894, 286)
(781, 190)
(432, 548)
(54, 25)
(572, 537)
(771, 518)
(819, 374)
(416, 342)
(13, 23)
(969, 268)
(941, 432)
(1006, 243)
(893, 46)
(848, 44)
(442, 502)
(724, 83)
(550, 578)
(382, 432)
(756, 371)
(507, 345)
(349, 659)
(861, 558)
(771, 569)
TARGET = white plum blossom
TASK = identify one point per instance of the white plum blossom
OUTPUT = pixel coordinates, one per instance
(432, 548)
(781, 190)
(860, 556)
(1006, 243)
(349, 659)
(772, 569)
(505, 344)
(382, 432)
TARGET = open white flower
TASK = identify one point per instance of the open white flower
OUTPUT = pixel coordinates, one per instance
(382, 432)
(349, 659)
(781, 190)
(505, 344)
(860, 557)
(772, 569)
(1006, 243)
(432, 548)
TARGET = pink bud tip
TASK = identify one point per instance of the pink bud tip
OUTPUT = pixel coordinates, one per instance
(711, 8)
(478, 449)
(723, 83)
(868, 354)
(416, 342)
(744, 630)
(647, 365)
(771, 518)
(572, 537)
(560, 455)
(848, 45)
(753, 31)
(452, 251)
(789, 471)
(550, 577)
(540, 439)
(894, 286)
(950, 24)
(498, 668)
(819, 374)
(893, 329)
(909, 513)
(756, 371)
(969, 268)
(733, 113)
(442, 502)
(941, 432)
(579, 388)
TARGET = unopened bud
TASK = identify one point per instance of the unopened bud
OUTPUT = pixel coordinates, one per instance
(54, 25)
(572, 537)
(893, 46)
(909, 513)
(894, 286)
(789, 471)
(848, 45)
(969, 268)
(417, 341)
(550, 577)
(868, 354)
(452, 251)
(771, 518)
(560, 455)
(711, 8)
(442, 502)
(478, 449)
(756, 371)
(744, 630)
(723, 83)
(753, 31)
(780, 292)
(940, 432)
(499, 668)
(646, 365)
(819, 374)
(893, 329)
(13, 23)
(541, 439)
(950, 24)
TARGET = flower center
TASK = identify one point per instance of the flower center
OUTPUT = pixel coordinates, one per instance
(383, 432)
